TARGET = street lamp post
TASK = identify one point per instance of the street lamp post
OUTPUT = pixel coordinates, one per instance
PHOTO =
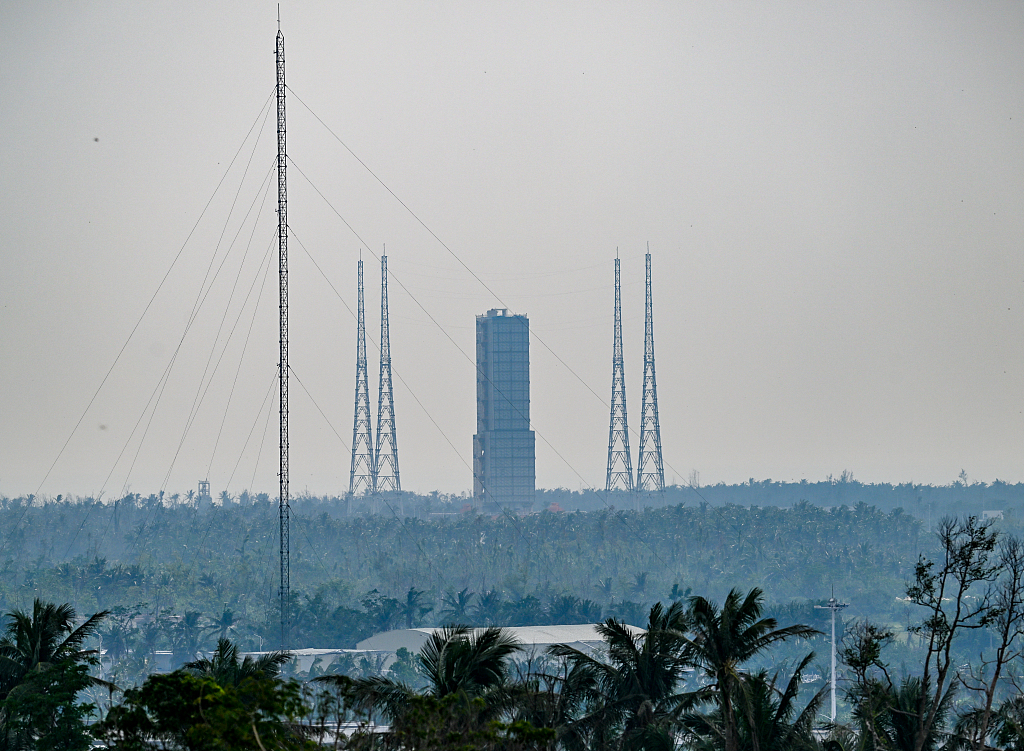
(833, 605)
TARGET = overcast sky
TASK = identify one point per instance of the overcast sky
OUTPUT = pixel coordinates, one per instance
(832, 194)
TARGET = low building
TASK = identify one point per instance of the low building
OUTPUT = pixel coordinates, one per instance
(535, 639)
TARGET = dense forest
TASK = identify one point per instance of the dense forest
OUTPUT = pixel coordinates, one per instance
(692, 679)
(929, 617)
(927, 502)
(176, 570)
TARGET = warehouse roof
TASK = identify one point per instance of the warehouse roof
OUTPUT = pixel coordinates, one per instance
(582, 635)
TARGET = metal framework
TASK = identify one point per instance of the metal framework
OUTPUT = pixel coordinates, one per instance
(361, 474)
(620, 469)
(282, 250)
(385, 460)
(650, 470)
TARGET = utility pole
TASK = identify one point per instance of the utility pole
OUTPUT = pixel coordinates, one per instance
(620, 467)
(282, 375)
(361, 473)
(833, 605)
(650, 470)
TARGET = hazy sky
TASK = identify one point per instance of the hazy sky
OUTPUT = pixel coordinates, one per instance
(832, 194)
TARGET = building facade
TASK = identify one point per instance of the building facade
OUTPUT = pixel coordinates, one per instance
(504, 447)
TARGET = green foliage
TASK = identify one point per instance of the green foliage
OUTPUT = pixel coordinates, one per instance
(971, 587)
(43, 712)
(43, 668)
(457, 723)
(228, 668)
(1009, 731)
(722, 641)
(633, 694)
(405, 667)
(768, 718)
(183, 711)
(454, 660)
(353, 576)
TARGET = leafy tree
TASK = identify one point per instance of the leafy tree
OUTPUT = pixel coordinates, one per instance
(1007, 627)
(1009, 732)
(525, 611)
(678, 593)
(404, 668)
(195, 713)
(455, 723)
(489, 608)
(957, 598)
(186, 635)
(43, 711)
(384, 612)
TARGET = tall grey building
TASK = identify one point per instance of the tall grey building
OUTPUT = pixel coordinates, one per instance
(504, 447)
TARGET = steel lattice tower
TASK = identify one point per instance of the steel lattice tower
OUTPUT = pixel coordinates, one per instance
(650, 471)
(385, 460)
(361, 475)
(620, 469)
(282, 249)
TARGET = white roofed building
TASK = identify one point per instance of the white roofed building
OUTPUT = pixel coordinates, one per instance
(533, 638)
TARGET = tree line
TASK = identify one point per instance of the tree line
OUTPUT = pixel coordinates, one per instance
(176, 575)
(692, 678)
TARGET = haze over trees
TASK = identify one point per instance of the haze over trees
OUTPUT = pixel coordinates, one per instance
(176, 575)
(689, 680)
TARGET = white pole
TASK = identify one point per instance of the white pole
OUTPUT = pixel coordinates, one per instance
(833, 605)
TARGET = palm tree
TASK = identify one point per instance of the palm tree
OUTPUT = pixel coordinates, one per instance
(46, 638)
(413, 608)
(227, 668)
(626, 701)
(458, 659)
(42, 669)
(563, 609)
(768, 718)
(887, 717)
(1009, 717)
(454, 660)
(488, 609)
(225, 624)
(457, 605)
(187, 636)
(720, 641)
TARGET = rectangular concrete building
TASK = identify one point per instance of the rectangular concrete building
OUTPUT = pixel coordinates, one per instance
(504, 447)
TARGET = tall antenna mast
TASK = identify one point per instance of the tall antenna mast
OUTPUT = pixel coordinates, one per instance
(282, 375)
(833, 605)
(620, 468)
(650, 471)
(385, 461)
(361, 475)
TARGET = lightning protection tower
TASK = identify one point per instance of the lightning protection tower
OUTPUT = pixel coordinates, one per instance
(282, 373)
(361, 474)
(650, 471)
(385, 460)
(620, 469)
